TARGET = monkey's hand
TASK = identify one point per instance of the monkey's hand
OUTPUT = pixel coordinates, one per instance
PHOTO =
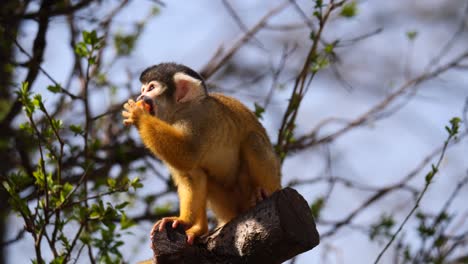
(132, 113)
(191, 230)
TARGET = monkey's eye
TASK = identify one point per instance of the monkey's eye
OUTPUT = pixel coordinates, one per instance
(151, 87)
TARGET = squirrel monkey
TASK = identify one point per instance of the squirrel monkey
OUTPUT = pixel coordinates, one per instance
(218, 154)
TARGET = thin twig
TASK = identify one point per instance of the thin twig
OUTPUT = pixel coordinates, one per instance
(18, 237)
(434, 171)
(232, 12)
(388, 189)
(18, 45)
(309, 139)
(214, 65)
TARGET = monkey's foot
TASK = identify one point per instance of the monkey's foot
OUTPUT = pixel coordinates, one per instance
(260, 195)
(191, 231)
(160, 225)
(195, 231)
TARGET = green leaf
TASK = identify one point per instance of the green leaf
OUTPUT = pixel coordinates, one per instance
(411, 35)
(25, 88)
(136, 183)
(65, 241)
(317, 206)
(81, 50)
(122, 205)
(429, 177)
(312, 35)
(259, 110)
(90, 38)
(85, 238)
(26, 127)
(126, 223)
(95, 215)
(111, 183)
(39, 176)
(420, 216)
(349, 10)
(318, 15)
(8, 188)
(442, 217)
(101, 79)
(58, 260)
(65, 191)
(124, 44)
(57, 124)
(320, 63)
(155, 11)
(440, 241)
(407, 254)
(318, 3)
(425, 231)
(92, 60)
(20, 180)
(329, 48)
(77, 129)
(382, 228)
(54, 88)
(455, 123)
(448, 130)
(67, 188)
(282, 155)
(25, 98)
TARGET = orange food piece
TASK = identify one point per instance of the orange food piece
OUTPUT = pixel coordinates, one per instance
(144, 105)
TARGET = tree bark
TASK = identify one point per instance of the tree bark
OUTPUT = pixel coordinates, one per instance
(274, 231)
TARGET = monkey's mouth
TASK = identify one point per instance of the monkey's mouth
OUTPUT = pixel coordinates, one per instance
(150, 105)
(147, 105)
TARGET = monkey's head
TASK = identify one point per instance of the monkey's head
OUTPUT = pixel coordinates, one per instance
(167, 85)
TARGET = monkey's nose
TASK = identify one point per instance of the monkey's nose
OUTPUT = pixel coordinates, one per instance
(140, 97)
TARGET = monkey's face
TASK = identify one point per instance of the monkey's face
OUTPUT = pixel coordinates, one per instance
(149, 93)
(167, 87)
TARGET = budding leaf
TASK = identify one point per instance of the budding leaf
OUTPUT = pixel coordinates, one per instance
(349, 10)
(259, 110)
(54, 88)
(411, 35)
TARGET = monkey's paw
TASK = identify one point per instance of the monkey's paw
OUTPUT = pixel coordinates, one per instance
(259, 195)
(131, 113)
(191, 230)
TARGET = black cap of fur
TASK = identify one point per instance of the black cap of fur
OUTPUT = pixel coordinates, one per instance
(164, 73)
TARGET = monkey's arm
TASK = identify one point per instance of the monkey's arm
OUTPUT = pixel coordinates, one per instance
(178, 150)
(167, 142)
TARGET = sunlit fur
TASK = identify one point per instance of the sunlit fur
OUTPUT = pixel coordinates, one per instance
(218, 153)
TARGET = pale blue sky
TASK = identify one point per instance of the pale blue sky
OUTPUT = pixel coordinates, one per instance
(189, 32)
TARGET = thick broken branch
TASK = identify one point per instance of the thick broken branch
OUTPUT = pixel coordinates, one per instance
(276, 230)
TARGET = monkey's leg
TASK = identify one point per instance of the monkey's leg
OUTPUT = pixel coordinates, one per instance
(223, 203)
(192, 196)
(262, 165)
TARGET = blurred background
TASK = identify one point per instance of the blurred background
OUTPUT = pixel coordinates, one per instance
(382, 80)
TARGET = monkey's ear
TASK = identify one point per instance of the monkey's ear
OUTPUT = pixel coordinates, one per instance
(187, 87)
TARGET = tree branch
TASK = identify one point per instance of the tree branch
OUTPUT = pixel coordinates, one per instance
(274, 231)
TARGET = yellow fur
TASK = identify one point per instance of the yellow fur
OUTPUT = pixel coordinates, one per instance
(218, 153)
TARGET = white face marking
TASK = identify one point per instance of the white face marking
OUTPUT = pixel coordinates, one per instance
(193, 87)
(152, 89)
